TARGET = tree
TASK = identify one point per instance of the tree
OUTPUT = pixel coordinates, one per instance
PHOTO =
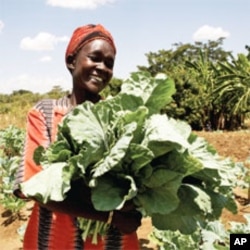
(194, 69)
(233, 91)
(56, 92)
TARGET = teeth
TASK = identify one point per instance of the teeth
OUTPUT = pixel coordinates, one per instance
(97, 78)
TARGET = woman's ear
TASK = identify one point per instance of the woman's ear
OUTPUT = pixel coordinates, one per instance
(70, 62)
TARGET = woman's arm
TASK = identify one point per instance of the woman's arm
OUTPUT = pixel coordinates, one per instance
(78, 204)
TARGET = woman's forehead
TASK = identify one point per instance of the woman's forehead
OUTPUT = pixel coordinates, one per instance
(99, 45)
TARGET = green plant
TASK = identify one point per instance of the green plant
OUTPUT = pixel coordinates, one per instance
(11, 141)
(214, 236)
(11, 144)
(7, 171)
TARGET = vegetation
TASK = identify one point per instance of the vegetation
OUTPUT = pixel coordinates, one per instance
(213, 87)
(11, 143)
(212, 237)
(14, 107)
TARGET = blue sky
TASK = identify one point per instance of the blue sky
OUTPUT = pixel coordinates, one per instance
(34, 33)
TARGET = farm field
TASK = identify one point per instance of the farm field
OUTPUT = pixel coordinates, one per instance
(235, 145)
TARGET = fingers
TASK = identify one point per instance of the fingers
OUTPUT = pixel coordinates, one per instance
(127, 222)
(128, 206)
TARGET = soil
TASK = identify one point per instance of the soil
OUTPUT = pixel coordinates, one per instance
(235, 145)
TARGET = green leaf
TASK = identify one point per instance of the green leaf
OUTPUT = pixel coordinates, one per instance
(39, 151)
(163, 134)
(139, 156)
(48, 184)
(160, 195)
(194, 204)
(116, 190)
(155, 91)
(181, 162)
(86, 130)
(184, 223)
(116, 153)
(161, 94)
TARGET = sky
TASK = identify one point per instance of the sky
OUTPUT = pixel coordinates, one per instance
(34, 34)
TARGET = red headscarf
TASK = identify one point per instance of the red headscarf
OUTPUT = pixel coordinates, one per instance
(85, 34)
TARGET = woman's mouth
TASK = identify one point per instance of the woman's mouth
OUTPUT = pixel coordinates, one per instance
(97, 79)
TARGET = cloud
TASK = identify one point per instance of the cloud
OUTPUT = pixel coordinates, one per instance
(1, 26)
(78, 4)
(43, 41)
(45, 59)
(207, 32)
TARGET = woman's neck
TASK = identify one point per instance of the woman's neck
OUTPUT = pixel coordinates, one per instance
(76, 99)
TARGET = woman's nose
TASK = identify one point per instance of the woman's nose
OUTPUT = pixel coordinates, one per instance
(101, 65)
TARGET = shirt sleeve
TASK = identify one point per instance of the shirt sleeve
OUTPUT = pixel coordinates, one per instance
(37, 135)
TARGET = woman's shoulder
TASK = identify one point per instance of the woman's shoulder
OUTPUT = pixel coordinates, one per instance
(49, 103)
(46, 107)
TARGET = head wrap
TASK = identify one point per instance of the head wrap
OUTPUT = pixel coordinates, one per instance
(84, 34)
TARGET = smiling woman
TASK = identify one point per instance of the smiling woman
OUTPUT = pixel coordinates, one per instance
(91, 69)
(90, 58)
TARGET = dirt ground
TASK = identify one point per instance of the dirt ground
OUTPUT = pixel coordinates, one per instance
(235, 145)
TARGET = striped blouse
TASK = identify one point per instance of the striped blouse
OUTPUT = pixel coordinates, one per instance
(54, 230)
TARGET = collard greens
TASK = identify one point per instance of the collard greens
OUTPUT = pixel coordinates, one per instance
(124, 148)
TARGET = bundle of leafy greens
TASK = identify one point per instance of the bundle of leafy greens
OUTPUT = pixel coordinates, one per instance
(125, 149)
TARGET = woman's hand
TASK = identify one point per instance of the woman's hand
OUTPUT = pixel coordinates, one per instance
(78, 203)
(126, 221)
(128, 206)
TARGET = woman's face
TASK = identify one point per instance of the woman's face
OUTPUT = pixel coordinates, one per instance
(92, 68)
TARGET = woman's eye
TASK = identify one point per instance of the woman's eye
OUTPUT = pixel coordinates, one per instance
(95, 58)
(110, 64)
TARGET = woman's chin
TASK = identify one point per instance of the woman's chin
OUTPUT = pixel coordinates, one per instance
(95, 88)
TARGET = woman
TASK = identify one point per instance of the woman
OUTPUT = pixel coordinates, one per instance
(90, 58)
